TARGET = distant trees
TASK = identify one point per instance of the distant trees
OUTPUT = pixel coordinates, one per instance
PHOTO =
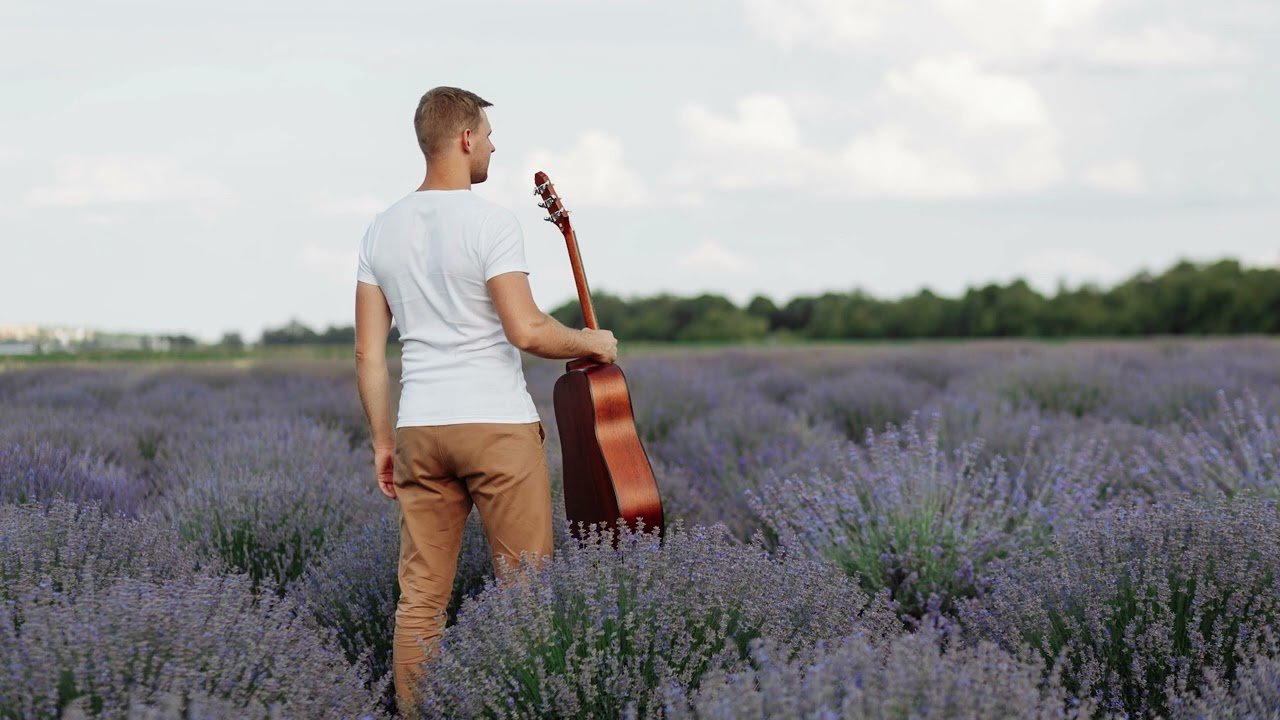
(295, 333)
(667, 317)
(175, 342)
(1214, 298)
(1218, 298)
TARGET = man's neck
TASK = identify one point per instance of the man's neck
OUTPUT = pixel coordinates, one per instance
(440, 176)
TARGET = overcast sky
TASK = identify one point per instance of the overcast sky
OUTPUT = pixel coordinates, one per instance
(206, 167)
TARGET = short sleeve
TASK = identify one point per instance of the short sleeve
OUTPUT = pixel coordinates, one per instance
(503, 243)
(364, 269)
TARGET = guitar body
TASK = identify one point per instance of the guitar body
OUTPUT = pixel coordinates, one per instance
(607, 475)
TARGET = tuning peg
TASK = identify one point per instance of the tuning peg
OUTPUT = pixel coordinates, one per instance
(538, 190)
(548, 202)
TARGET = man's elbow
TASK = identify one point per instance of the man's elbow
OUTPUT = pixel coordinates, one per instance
(524, 335)
(521, 338)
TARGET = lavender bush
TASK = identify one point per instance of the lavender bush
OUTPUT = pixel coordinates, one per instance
(720, 457)
(941, 366)
(353, 591)
(599, 630)
(266, 468)
(1236, 449)
(862, 400)
(67, 547)
(1145, 384)
(209, 635)
(160, 414)
(906, 515)
(1254, 694)
(126, 448)
(178, 706)
(329, 398)
(41, 472)
(268, 495)
(860, 677)
(1058, 385)
(665, 394)
(1141, 604)
(85, 388)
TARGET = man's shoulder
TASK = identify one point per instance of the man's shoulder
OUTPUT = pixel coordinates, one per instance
(482, 214)
(498, 220)
(490, 207)
(468, 199)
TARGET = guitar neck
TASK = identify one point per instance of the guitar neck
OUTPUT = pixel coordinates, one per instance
(580, 278)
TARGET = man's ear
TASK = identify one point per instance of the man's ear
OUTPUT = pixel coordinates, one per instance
(466, 140)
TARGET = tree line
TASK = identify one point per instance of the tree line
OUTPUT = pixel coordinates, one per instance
(1218, 298)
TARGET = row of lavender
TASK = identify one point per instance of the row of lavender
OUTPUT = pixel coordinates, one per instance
(965, 530)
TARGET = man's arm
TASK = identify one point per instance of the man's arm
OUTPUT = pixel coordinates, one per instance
(536, 332)
(373, 322)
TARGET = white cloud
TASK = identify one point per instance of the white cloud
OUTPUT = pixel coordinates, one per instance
(955, 87)
(943, 128)
(1167, 46)
(1067, 13)
(992, 29)
(883, 162)
(959, 111)
(1022, 32)
(997, 29)
(830, 24)
(763, 122)
(1121, 177)
(594, 172)
(758, 146)
(92, 181)
(711, 255)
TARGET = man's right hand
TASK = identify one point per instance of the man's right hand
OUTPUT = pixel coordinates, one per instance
(604, 345)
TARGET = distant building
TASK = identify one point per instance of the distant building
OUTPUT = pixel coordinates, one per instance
(44, 339)
(19, 332)
(24, 339)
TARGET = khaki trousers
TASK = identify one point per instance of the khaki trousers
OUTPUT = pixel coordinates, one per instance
(440, 470)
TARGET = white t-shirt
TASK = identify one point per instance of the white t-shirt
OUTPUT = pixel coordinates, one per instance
(431, 253)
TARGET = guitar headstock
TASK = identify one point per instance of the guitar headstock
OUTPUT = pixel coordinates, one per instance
(556, 212)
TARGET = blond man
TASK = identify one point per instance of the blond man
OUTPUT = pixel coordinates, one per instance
(449, 267)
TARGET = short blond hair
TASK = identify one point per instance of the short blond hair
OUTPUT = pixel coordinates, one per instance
(443, 112)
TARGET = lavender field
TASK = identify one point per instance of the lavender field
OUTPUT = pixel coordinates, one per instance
(981, 530)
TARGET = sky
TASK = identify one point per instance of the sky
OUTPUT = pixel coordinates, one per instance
(202, 168)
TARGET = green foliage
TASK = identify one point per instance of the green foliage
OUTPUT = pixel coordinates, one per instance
(296, 333)
(1142, 604)
(1217, 298)
(705, 318)
(932, 558)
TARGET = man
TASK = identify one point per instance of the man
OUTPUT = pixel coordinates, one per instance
(449, 266)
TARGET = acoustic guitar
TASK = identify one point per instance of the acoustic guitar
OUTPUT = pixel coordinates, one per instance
(607, 475)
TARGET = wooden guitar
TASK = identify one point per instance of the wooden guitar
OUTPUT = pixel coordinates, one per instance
(607, 475)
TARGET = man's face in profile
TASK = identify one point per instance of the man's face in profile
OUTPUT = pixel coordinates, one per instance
(481, 148)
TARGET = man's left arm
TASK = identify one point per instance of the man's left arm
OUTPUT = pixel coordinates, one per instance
(373, 322)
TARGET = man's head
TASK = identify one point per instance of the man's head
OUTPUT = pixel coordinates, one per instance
(452, 126)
